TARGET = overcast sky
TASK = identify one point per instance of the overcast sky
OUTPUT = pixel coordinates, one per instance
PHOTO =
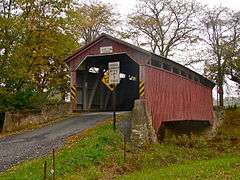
(126, 6)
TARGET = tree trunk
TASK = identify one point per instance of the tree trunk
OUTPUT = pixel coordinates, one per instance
(220, 79)
(220, 88)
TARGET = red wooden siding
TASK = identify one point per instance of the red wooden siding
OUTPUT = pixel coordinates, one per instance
(174, 98)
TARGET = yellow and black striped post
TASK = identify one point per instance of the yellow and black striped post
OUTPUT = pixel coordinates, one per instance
(141, 88)
(73, 94)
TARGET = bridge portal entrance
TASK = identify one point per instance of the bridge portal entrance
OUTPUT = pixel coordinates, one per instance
(92, 91)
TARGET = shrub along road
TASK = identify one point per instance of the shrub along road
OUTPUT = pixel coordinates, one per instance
(39, 142)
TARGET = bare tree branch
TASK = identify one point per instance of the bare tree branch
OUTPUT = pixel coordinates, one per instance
(165, 24)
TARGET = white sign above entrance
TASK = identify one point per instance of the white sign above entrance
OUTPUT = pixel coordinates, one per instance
(106, 49)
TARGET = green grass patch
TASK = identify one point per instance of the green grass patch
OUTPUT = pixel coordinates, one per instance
(226, 167)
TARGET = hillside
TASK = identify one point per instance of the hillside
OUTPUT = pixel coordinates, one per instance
(98, 154)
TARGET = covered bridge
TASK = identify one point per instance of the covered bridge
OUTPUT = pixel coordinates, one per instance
(172, 91)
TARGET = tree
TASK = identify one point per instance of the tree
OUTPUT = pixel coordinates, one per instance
(87, 21)
(35, 37)
(11, 74)
(34, 47)
(164, 24)
(231, 49)
(221, 34)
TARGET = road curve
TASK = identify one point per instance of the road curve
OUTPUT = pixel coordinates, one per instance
(39, 142)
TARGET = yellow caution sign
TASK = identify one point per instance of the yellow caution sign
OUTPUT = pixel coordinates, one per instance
(141, 88)
(105, 81)
(73, 93)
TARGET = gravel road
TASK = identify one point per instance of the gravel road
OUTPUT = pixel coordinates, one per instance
(39, 142)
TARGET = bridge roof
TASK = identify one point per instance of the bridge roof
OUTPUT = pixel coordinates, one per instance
(155, 59)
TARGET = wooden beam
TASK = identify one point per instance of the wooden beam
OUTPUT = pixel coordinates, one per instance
(85, 90)
(95, 88)
(101, 97)
(107, 99)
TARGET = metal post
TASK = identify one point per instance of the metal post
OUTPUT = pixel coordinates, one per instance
(124, 148)
(114, 108)
(114, 79)
(45, 170)
(53, 165)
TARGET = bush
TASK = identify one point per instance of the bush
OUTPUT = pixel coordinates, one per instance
(25, 99)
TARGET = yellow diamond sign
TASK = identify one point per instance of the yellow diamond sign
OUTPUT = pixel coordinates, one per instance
(105, 81)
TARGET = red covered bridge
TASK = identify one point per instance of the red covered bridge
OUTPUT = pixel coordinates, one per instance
(172, 91)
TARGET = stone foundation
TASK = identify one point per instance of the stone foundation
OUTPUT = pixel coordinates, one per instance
(142, 129)
(19, 120)
(218, 121)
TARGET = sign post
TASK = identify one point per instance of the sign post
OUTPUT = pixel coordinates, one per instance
(114, 78)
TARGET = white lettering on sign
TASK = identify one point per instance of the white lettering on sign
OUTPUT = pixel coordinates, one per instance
(114, 72)
(106, 49)
(114, 77)
(113, 65)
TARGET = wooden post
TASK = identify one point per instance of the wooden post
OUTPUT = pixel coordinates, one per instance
(93, 93)
(94, 89)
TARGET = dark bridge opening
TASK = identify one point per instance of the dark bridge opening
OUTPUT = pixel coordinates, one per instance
(95, 95)
(179, 128)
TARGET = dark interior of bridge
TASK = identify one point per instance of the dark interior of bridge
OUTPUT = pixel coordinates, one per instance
(179, 128)
(94, 95)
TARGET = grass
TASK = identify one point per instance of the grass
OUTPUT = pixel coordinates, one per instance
(225, 167)
(231, 125)
(98, 154)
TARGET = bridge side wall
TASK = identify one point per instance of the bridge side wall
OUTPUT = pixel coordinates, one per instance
(171, 97)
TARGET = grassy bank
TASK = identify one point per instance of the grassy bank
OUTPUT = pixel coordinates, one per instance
(98, 154)
(195, 157)
(225, 167)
